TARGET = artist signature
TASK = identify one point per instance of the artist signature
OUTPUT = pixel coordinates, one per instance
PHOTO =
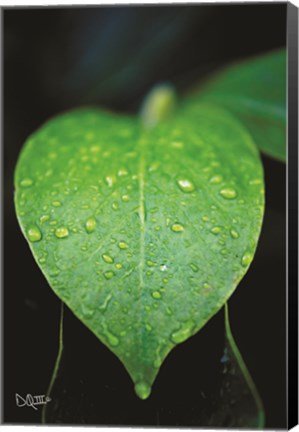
(31, 401)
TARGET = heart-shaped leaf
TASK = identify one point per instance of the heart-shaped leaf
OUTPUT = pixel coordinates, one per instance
(143, 233)
(255, 92)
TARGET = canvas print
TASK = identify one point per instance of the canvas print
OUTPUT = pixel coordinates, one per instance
(144, 203)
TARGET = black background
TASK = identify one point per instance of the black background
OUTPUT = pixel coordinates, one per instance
(57, 59)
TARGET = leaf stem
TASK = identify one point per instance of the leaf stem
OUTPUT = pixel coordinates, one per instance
(57, 363)
(244, 370)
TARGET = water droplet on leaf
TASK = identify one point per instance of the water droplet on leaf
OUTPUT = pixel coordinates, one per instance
(216, 230)
(217, 179)
(183, 333)
(44, 218)
(109, 274)
(148, 327)
(186, 185)
(123, 245)
(228, 193)
(110, 180)
(90, 224)
(194, 267)
(246, 259)
(107, 258)
(34, 234)
(177, 228)
(27, 182)
(234, 234)
(122, 172)
(61, 232)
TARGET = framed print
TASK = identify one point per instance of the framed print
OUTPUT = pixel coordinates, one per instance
(150, 197)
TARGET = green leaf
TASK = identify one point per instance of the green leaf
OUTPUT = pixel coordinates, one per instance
(143, 233)
(255, 92)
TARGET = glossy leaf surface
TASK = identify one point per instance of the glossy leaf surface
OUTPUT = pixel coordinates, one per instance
(255, 92)
(144, 234)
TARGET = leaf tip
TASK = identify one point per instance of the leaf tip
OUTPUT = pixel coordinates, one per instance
(142, 389)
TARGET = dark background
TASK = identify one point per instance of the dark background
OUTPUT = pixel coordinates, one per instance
(57, 59)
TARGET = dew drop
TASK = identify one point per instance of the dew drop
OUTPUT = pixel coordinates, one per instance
(115, 205)
(228, 193)
(44, 218)
(177, 144)
(110, 180)
(107, 258)
(118, 266)
(125, 198)
(177, 228)
(194, 267)
(169, 311)
(109, 274)
(186, 185)
(217, 179)
(148, 327)
(123, 245)
(205, 218)
(156, 295)
(95, 149)
(113, 340)
(216, 230)
(61, 232)
(163, 267)
(56, 203)
(103, 306)
(234, 234)
(34, 234)
(246, 259)
(54, 271)
(154, 166)
(87, 311)
(27, 182)
(150, 263)
(122, 172)
(90, 224)
(183, 333)
(255, 182)
(142, 390)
